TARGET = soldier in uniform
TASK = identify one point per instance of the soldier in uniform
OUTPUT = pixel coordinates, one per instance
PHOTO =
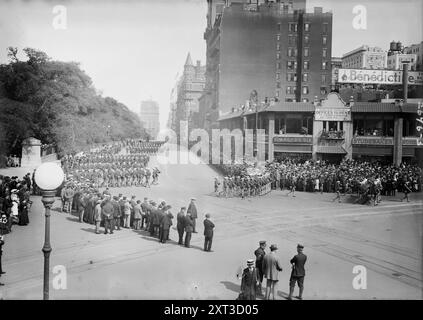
(260, 253)
(298, 272)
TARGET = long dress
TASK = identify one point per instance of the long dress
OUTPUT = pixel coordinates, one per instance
(248, 284)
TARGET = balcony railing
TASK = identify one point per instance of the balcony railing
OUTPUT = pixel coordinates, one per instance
(332, 135)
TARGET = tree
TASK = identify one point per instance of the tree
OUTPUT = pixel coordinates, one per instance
(57, 103)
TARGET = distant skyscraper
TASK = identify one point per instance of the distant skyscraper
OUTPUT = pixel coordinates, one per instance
(190, 88)
(149, 115)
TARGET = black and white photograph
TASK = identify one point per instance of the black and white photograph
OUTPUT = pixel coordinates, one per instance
(211, 150)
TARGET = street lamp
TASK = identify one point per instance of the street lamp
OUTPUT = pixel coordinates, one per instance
(48, 177)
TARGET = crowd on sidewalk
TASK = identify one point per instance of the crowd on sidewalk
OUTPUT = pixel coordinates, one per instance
(14, 201)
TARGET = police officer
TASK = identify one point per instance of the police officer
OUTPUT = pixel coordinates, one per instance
(260, 253)
(298, 272)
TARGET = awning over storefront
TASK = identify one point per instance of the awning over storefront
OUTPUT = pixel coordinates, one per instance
(331, 149)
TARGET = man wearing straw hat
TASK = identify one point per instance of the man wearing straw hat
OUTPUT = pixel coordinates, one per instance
(271, 267)
(249, 282)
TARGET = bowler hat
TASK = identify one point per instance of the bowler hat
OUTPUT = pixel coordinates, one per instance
(273, 247)
(300, 246)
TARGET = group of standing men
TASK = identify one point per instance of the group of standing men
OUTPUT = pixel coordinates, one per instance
(267, 265)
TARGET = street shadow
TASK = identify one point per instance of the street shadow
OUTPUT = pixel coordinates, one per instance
(73, 218)
(231, 286)
(282, 294)
(92, 230)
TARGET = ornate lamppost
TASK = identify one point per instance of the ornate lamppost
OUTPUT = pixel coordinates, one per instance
(49, 176)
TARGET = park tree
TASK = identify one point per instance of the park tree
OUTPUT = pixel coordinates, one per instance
(57, 103)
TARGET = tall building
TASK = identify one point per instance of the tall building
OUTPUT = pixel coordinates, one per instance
(149, 115)
(397, 57)
(273, 47)
(336, 64)
(365, 57)
(416, 49)
(189, 90)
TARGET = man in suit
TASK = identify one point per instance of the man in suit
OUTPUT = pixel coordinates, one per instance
(298, 272)
(249, 282)
(260, 253)
(180, 224)
(144, 211)
(165, 224)
(208, 233)
(271, 267)
(192, 209)
(189, 227)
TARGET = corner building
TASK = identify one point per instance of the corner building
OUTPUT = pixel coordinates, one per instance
(275, 48)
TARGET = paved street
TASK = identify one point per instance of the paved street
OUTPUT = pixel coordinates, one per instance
(386, 239)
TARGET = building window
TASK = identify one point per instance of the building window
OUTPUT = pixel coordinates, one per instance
(278, 65)
(305, 90)
(324, 40)
(324, 80)
(305, 100)
(278, 84)
(288, 90)
(306, 39)
(278, 37)
(306, 52)
(277, 93)
(278, 46)
(305, 77)
(325, 28)
(306, 65)
(292, 27)
(307, 27)
(278, 76)
(291, 77)
(324, 65)
(279, 27)
(291, 65)
(324, 52)
(278, 55)
(323, 91)
(289, 52)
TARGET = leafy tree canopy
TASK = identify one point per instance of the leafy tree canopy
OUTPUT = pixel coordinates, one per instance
(57, 103)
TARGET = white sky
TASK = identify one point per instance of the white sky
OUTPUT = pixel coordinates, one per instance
(133, 50)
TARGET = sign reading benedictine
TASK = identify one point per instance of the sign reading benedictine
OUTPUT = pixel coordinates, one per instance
(370, 76)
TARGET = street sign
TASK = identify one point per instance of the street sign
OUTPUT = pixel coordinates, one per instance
(369, 76)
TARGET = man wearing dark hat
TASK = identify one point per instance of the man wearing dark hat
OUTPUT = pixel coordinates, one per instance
(208, 233)
(271, 267)
(260, 253)
(249, 282)
(180, 224)
(192, 209)
(298, 272)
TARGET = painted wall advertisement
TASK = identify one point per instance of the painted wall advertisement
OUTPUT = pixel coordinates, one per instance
(332, 114)
(368, 76)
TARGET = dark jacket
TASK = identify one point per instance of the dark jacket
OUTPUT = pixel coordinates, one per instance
(193, 210)
(189, 224)
(299, 261)
(208, 228)
(116, 209)
(248, 284)
(166, 222)
(259, 253)
(180, 221)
